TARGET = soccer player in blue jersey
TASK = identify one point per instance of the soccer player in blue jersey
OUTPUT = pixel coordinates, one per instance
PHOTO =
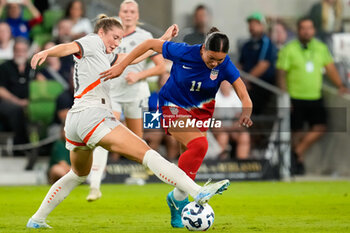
(189, 93)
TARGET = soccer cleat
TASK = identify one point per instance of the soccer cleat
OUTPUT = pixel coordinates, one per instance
(209, 190)
(176, 209)
(94, 195)
(36, 224)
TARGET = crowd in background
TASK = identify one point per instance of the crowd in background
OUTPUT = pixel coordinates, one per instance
(24, 31)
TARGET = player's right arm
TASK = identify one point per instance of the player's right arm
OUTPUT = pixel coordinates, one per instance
(60, 50)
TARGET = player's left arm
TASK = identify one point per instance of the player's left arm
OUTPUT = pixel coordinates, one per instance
(333, 75)
(247, 105)
(158, 69)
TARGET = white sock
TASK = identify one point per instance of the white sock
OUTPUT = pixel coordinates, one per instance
(179, 195)
(99, 162)
(57, 193)
(170, 173)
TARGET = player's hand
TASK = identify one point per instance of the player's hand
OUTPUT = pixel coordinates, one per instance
(171, 32)
(113, 72)
(245, 121)
(132, 78)
(38, 59)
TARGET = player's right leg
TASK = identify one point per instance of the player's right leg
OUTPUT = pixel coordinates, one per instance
(81, 161)
(122, 140)
(190, 160)
(100, 157)
(99, 163)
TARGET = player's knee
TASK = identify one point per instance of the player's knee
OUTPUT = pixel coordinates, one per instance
(199, 144)
(79, 176)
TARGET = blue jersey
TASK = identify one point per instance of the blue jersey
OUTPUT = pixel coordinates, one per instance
(192, 85)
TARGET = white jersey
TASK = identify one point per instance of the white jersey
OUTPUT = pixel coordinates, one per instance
(121, 91)
(89, 89)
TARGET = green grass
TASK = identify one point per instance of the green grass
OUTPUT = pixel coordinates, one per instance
(246, 207)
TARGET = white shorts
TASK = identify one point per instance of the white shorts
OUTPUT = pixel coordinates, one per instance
(86, 128)
(132, 110)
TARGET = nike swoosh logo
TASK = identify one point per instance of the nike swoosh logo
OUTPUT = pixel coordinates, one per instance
(186, 67)
(177, 208)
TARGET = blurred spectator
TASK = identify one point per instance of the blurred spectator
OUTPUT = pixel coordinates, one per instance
(300, 65)
(54, 70)
(201, 25)
(258, 57)
(327, 18)
(63, 103)
(280, 34)
(14, 17)
(75, 11)
(228, 108)
(63, 34)
(14, 90)
(6, 42)
(155, 139)
(59, 160)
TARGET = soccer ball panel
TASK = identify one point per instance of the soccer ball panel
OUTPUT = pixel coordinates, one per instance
(196, 217)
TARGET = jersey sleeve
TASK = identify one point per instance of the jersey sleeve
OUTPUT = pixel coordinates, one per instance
(87, 46)
(173, 51)
(232, 73)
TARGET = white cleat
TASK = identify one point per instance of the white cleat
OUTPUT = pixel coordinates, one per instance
(94, 195)
(36, 224)
(209, 190)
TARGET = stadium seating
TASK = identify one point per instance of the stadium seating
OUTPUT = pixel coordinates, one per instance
(42, 97)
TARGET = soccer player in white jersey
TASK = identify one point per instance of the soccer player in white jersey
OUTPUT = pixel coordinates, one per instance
(129, 93)
(90, 122)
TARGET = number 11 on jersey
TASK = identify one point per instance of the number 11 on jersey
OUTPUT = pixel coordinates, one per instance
(198, 86)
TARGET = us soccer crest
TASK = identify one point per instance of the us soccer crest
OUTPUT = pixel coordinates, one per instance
(214, 74)
(174, 110)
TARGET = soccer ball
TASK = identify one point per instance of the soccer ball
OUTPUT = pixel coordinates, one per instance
(196, 217)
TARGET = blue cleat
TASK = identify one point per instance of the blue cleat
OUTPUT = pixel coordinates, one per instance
(209, 190)
(176, 209)
(36, 224)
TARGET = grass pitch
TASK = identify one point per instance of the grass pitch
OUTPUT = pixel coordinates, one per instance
(245, 207)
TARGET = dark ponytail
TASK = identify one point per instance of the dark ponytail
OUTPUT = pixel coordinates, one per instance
(216, 41)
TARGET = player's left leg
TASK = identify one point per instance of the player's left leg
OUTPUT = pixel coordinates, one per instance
(81, 161)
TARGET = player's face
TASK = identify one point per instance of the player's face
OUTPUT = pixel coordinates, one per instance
(306, 31)
(212, 59)
(112, 38)
(129, 14)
